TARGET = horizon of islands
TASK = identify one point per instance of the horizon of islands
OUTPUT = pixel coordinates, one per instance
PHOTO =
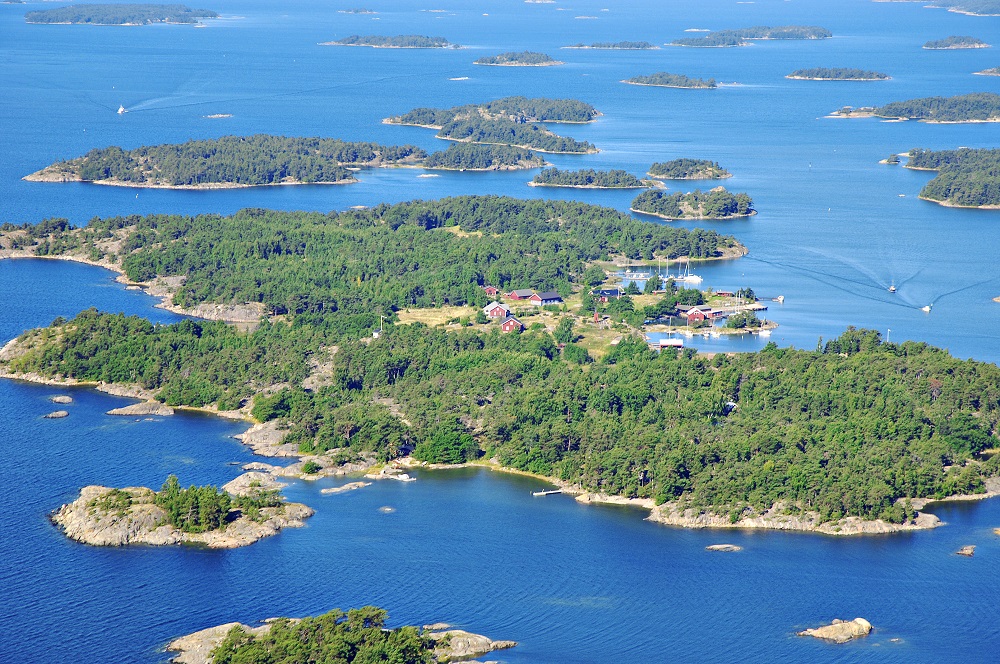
(558, 342)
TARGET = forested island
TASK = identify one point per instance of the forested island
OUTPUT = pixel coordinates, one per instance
(775, 438)
(474, 157)
(992, 71)
(617, 46)
(230, 161)
(508, 121)
(588, 179)
(357, 636)
(965, 177)
(664, 80)
(970, 108)
(969, 7)
(396, 41)
(837, 74)
(518, 59)
(358, 10)
(955, 42)
(740, 37)
(688, 169)
(124, 14)
(238, 515)
(716, 203)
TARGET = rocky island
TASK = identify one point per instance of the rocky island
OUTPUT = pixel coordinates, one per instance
(840, 631)
(242, 513)
(688, 169)
(123, 14)
(837, 74)
(665, 80)
(742, 36)
(518, 59)
(230, 162)
(955, 42)
(716, 204)
(992, 71)
(397, 41)
(970, 108)
(616, 46)
(337, 636)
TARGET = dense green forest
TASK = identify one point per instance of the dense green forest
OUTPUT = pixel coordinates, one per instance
(617, 46)
(974, 107)
(839, 74)
(613, 179)
(665, 79)
(688, 169)
(513, 58)
(955, 42)
(715, 204)
(356, 637)
(500, 131)
(740, 36)
(396, 41)
(475, 157)
(974, 7)
(124, 14)
(518, 109)
(243, 160)
(967, 177)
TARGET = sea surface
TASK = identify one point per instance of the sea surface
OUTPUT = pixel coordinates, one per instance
(571, 583)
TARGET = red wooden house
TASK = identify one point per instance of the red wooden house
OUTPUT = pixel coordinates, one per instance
(520, 294)
(491, 290)
(496, 310)
(511, 324)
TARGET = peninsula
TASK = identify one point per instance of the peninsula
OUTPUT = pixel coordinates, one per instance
(397, 41)
(967, 7)
(970, 108)
(335, 636)
(447, 391)
(742, 36)
(955, 42)
(688, 169)
(229, 162)
(124, 14)
(715, 204)
(473, 157)
(509, 121)
(965, 177)
(617, 46)
(588, 179)
(518, 59)
(664, 80)
(240, 514)
(837, 74)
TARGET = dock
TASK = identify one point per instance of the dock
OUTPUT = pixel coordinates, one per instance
(546, 493)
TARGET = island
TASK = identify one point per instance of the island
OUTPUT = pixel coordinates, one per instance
(837, 74)
(335, 636)
(970, 108)
(840, 631)
(396, 41)
(955, 42)
(688, 169)
(588, 179)
(992, 71)
(968, 7)
(509, 121)
(240, 514)
(230, 162)
(740, 37)
(617, 46)
(518, 59)
(436, 386)
(124, 14)
(965, 177)
(717, 204)
(664, 80)
(357, 10)
(473, 157)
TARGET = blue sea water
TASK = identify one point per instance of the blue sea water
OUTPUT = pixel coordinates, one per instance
(572, 583)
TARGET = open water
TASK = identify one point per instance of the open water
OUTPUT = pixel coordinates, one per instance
(572, 583)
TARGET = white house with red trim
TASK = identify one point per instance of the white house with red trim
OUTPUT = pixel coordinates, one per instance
(496, 310)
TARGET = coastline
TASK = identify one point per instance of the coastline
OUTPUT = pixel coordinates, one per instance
(40, 176)
(692, 177)
(949, 204)
(817, 78)
(523, 147)
(335, 43)
(664, 85)
(520, 64)
(590, 186)
(695, 218)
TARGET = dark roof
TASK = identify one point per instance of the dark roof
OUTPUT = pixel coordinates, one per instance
(523, 292)
(608, 291)
(511, 319)
(550, 295)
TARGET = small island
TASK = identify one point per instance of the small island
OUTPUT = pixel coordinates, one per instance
(473, 157)
(992, 71)
(229, 162)
(616, 46)
(717, 204)
(965, 177)
(397, 41)
(837, 74)
(840, 631)
(971, 108)
(955, 42)
(335, 636)
(664, 80)
(358, 10)
(124, 14)
(518, 59)
(588, 179)
(240, 514)
(688, 169)
(740, 37)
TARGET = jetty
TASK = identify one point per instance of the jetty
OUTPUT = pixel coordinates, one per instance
(546, 493)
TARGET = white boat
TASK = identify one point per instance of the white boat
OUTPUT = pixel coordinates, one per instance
(926, 309)
(892, 288)
(687, 277)
(403, 477)
(765, 333)
(121, 110)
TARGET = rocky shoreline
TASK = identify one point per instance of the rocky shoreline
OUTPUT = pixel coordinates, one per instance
(54, 174)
